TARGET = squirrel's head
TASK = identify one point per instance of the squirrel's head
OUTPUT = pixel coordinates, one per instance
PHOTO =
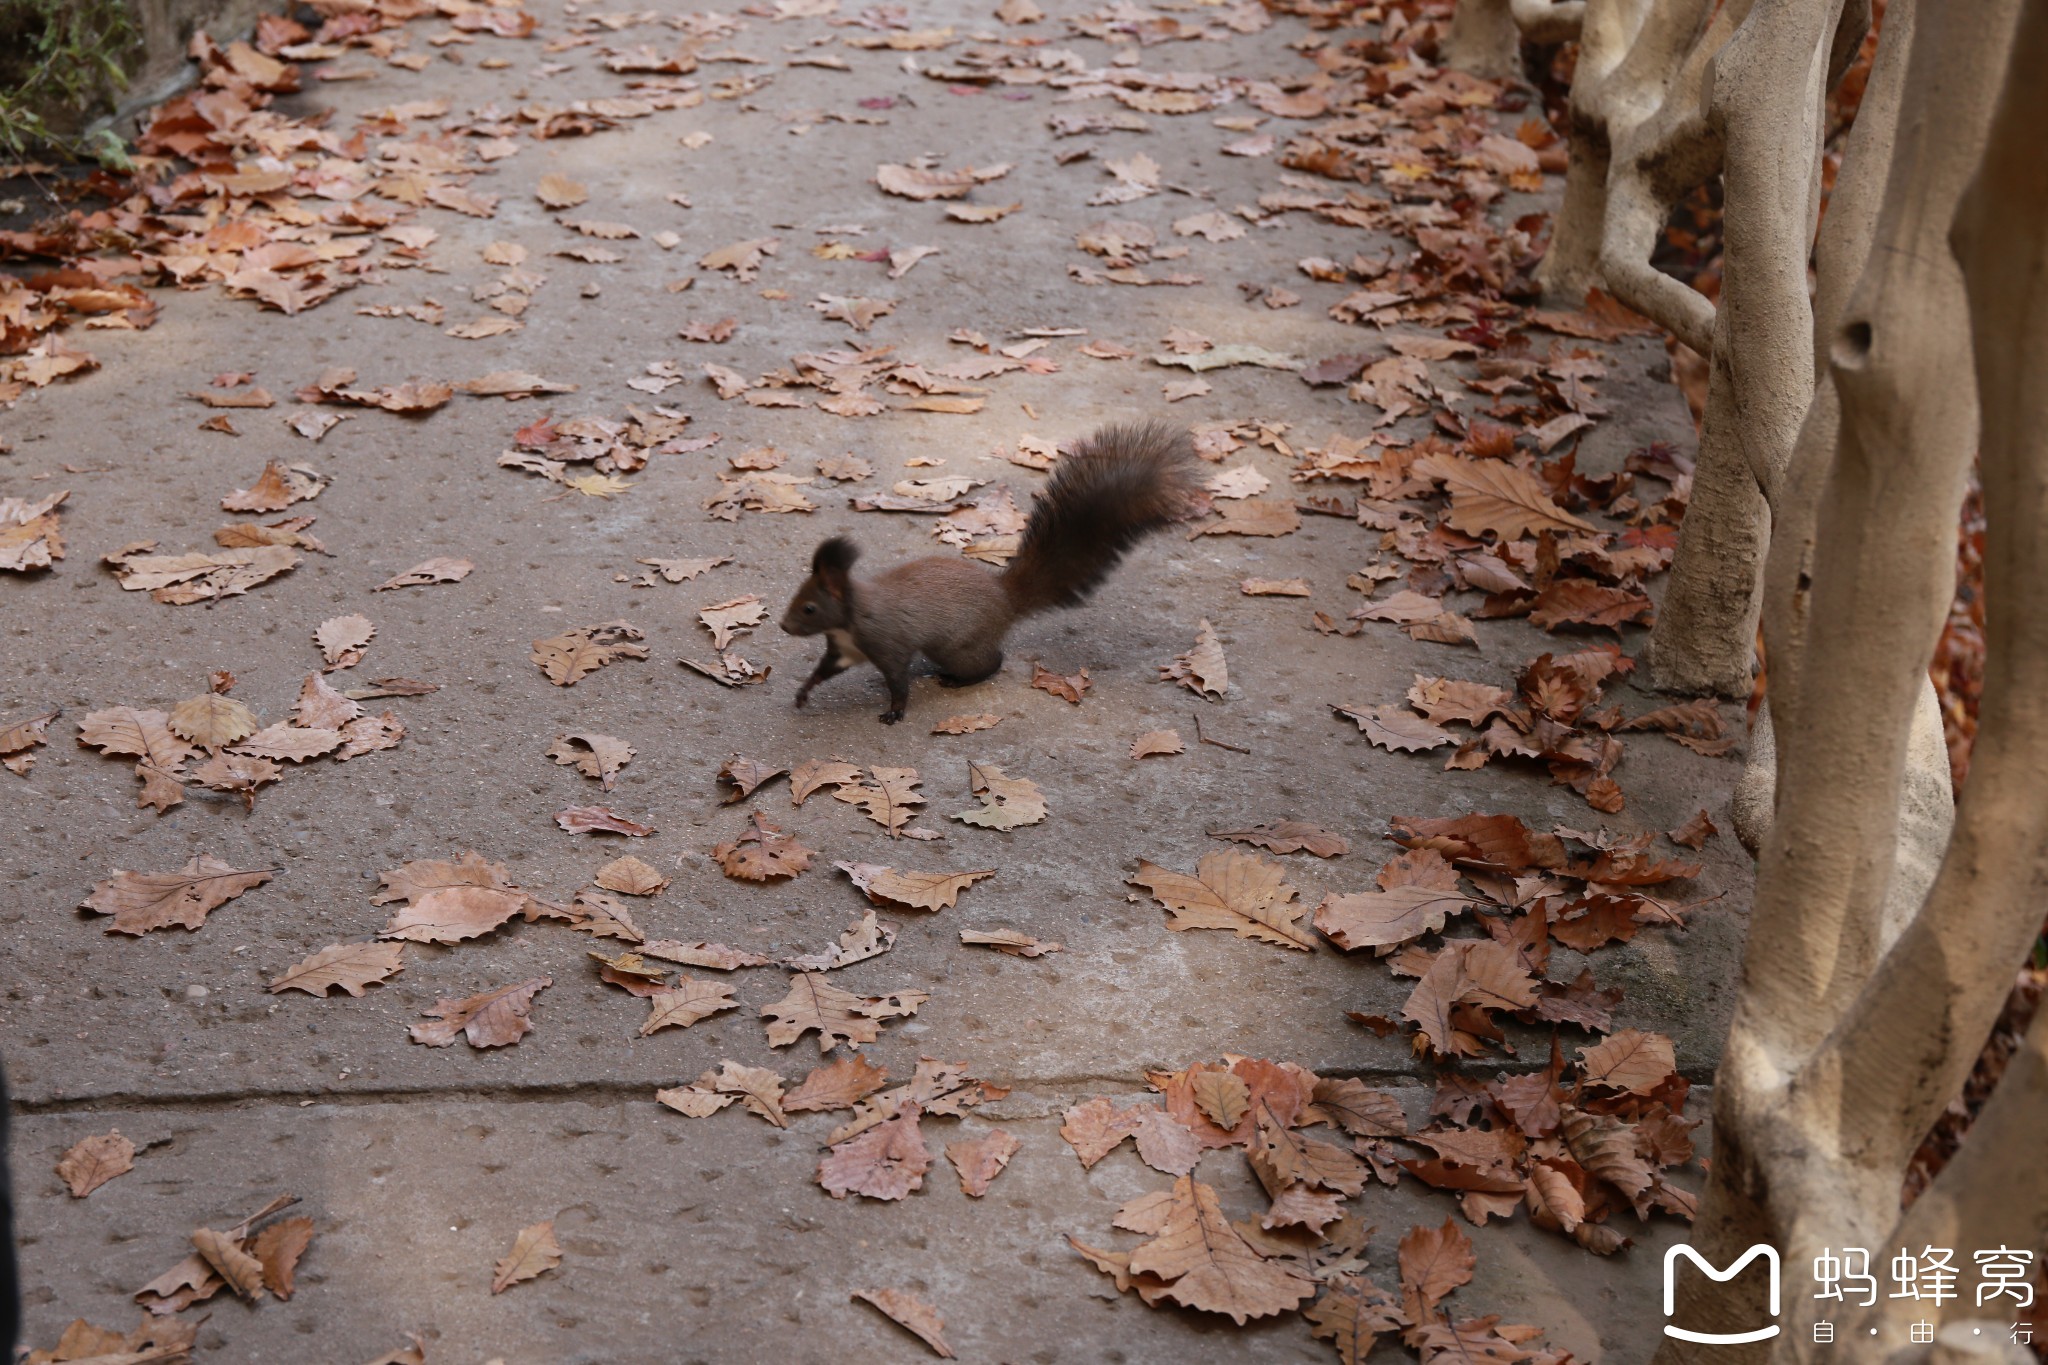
(824, 602)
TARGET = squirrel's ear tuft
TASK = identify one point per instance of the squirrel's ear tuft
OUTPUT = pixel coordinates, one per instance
(835, 555)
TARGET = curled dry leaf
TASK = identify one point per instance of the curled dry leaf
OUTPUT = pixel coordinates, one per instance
(223, 1252)
(1230, 890)
(142, 901)
(740, 776)
(180, 580)
(912, 890)
(912, 1314)
(887, 1161)
(31, 533)
(1202, 670)
(352, 966)
(966, 725)
(686, 1002)
(450, 914)
(1289, 836)
(342, 640)
(762, 853)
(439, 570)
(494, 1018)
(867, 938)
(1006, 802)
(1156, 742)
(593, 755)
(631, 877)
(91, 1162)
(577, 653)
(837, 1016)
(17, 739)
(534, 1252)
(1011, 941)
(600, 820)
(1068, 688)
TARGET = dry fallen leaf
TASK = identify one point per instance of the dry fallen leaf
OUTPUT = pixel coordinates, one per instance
(1375, 919)
(912, 890)
(278, 1248)
(912, 1314)
(630, 876)
(91, 1162)
(838, 1084)
(351, 966)
(494, 1018)
(1289, 836)
(1006, 802)
(1493, 495)
(576, 653)
(593, 755)
(838, 1016)
(212, 721)
(762, 853)
(142, 901)
(223, 1252)
(441, 570)
(890, 800)
(1395, 728)
(686, 1002)
(887, 1161)
(342, 640)
(738, 778)
(1694, 833)
(600, 820)
(1202, 670)
(1068, 688)
(728, 619)
(1156, 742)
(980, 1160)
(278, 487)
(534, 1252)
(1011, 941)
(1210, 1265)
(1630, 1060)
(966, 725)
(1230, 890)
(557, 192)
(449, 914)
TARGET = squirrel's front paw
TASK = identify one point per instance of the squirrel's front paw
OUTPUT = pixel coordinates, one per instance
(801, 698)
(890, 717)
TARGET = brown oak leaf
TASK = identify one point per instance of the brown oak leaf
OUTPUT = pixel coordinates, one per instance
(142, 901)
(493, 1019)
(1230, 890)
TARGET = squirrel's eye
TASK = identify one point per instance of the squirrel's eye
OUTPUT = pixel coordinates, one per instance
(810, 608)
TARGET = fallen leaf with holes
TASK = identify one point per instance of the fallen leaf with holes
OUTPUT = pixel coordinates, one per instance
(180, 580)
(600, 820)
(838, 1084)
(1006, 802)
(814, 1004)
(912, 1314)
(578, 653)
(534, 1252)
(1209, 1265)
(966, 725)
(762, 853)
(142, 901)
(450, 914)
(440, 570)
(1289, 836)
(278, 487)
(1202, 670)
(630, 877)
(1394, 727)
(980, 1160)
(593, 755)
(342, 640)
(352, 966)
(1237, 891)
(212, 721)
(888, 1161)
(1495, 496)
(494, 1018)
(1156, 742)
(728, 619)
(1630, 1060)
(890, 800)
(911, 890)
(1012, 941)
(686, 1002)
(1067, 687)
(91, 1162)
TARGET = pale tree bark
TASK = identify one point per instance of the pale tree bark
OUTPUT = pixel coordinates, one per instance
(1486, 35)
(1842, 1053)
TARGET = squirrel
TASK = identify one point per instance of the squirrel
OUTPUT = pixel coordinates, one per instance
(1119, 485)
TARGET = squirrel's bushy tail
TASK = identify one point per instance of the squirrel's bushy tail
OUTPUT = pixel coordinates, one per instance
(1123, 483)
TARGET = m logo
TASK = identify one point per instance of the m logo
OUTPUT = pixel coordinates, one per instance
(1770, 1256)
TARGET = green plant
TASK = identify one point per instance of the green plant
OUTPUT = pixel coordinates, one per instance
(61, 61)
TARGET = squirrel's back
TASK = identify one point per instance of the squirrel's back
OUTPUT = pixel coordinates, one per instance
(1123, 483)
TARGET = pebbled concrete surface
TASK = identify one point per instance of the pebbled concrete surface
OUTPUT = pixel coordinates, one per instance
(709, 1239)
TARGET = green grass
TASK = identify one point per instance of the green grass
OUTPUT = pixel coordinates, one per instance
(61, 62)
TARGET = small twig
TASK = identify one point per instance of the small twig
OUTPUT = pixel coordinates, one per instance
(1234, 748)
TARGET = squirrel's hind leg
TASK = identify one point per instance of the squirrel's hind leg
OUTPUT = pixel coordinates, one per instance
(964, 668)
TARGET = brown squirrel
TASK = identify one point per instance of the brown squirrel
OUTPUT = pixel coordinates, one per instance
(1121, 484)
